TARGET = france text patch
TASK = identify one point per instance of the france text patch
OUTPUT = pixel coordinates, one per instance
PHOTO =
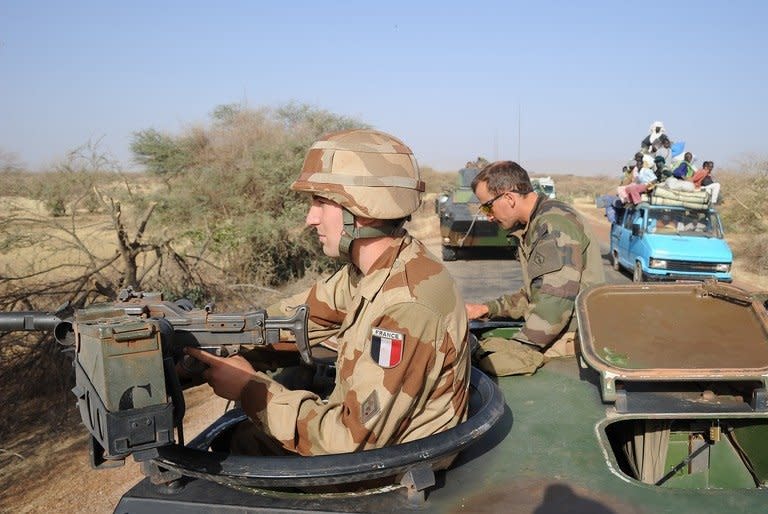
(387, 347)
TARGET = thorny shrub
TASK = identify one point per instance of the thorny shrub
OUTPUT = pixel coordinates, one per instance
(228, 189)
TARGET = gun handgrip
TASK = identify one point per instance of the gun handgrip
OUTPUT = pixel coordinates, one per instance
(298, 325)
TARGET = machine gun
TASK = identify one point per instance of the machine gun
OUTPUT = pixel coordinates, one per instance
(126, 354)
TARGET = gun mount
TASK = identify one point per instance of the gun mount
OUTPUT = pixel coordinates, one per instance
(126, 355)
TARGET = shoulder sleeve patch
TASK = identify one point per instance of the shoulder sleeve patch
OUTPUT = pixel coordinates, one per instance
(387, 347)
(369, 408)
(546, 258)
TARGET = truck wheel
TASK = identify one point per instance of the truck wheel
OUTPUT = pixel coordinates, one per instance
(615, 262)
(637, 275)
(449, 254)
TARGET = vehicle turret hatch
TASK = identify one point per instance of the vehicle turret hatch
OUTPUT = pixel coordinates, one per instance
(664, 338)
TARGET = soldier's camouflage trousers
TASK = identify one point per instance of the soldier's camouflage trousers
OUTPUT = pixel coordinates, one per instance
(503, 357)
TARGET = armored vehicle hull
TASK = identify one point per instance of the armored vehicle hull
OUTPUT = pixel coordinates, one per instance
(550, 453)
(570, 437)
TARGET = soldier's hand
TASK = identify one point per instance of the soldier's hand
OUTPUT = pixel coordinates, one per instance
(227, 376)
(476, 310)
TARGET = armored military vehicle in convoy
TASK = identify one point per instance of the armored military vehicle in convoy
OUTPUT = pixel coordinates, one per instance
(661, 418)
(463, 227)
(659, 413)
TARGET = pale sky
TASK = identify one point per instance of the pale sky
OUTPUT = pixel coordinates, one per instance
(585, 80)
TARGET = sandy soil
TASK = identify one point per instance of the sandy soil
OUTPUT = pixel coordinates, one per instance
(56, 475)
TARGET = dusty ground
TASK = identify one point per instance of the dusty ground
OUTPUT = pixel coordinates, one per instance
(55, 476)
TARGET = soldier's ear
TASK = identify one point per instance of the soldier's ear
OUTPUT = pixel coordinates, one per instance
(366, 222)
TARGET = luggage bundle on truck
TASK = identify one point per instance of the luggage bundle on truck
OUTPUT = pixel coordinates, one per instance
(661, 195)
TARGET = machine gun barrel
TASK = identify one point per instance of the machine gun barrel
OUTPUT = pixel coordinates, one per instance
(28, 321)
(37, 321)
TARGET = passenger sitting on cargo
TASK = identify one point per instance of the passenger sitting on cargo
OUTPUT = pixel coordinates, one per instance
(662, 157)
(645, 178)
(656, 131)
(628, 174)
(682, 176)
(685, 170)
(659, 145)
(702, 179)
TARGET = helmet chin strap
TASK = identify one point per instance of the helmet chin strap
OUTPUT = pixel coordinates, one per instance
(351, 232)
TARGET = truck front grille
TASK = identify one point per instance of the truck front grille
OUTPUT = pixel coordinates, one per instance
(692, 266)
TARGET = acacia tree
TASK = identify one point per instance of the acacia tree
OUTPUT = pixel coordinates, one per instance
(230, 181)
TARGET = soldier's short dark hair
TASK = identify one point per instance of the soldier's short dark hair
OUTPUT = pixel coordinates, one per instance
(501, 176)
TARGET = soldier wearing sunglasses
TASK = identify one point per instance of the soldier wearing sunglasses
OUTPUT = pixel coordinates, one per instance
(558, 259)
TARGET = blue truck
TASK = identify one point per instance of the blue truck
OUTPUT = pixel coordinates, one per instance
(661, 242)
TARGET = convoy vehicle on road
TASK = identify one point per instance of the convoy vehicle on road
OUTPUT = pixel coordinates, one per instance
(660, 242)
(463, 227)
(544, 186)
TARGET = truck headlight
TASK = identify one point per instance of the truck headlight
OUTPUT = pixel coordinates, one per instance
(657, 263)
(723, 267)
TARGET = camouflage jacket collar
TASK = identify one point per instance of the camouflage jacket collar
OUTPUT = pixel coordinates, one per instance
(381, 269)
(522, 233)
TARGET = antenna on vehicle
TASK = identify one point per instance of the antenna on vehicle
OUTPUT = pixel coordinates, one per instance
(519, 109)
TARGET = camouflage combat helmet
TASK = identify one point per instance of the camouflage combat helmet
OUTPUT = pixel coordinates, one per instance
(370, 174)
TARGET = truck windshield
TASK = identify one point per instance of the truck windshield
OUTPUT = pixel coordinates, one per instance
(688, 222)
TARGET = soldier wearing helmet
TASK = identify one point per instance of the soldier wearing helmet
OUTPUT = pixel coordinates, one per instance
(393, 313)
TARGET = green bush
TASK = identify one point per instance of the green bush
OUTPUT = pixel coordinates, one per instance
(228, 193)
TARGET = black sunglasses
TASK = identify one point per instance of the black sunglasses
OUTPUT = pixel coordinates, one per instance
(487, 207)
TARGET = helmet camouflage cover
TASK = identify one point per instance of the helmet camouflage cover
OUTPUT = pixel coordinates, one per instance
(370, 173)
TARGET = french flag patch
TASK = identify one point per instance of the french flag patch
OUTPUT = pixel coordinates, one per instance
(387, 347)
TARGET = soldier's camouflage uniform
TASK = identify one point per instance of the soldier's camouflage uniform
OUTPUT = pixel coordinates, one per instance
(558, 260)
(407, 302)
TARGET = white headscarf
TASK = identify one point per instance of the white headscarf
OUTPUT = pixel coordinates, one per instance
(648, 162)
(655, 135)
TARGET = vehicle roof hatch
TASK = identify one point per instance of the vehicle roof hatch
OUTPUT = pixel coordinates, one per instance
(693, 347)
